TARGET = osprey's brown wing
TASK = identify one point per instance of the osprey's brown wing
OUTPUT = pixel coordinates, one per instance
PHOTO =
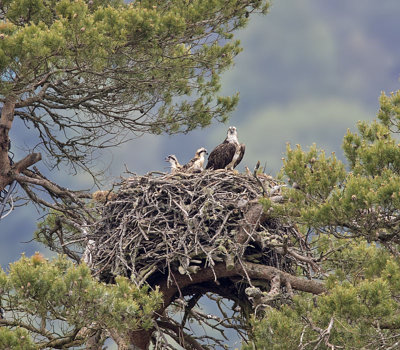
(188, 165)
(242, 150)
(221, 156)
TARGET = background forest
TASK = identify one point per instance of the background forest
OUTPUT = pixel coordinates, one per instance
(309, 70)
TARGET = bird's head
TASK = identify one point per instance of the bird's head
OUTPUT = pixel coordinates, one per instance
(201, 151)
(232, 133)
(232, 130)
(172, 159)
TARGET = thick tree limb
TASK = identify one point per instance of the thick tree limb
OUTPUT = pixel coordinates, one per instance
(34, 178)
(255, 271)
(252, 218)
(269, 272)
(6, 120)
(9, 172)
(26, 162)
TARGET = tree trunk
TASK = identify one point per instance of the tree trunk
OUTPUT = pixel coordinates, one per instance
(6, 119)
(140, 339)
(8, 170)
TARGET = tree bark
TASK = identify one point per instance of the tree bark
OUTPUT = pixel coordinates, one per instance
(254, 215)
(141, 338)
(8, 171)
(6, 120)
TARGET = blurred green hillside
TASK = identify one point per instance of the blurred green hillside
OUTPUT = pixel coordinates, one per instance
(309, 70)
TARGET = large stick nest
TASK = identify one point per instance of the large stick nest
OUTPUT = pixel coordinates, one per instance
(158, 224)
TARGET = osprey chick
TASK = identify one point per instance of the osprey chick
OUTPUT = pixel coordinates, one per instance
(228, 154)
(196, 164)
(175, 166)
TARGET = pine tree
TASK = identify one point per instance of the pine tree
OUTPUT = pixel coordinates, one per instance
(58, 305)
(85, 74)
(351, 219)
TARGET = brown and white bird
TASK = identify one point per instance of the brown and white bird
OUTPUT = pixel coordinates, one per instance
(228, 154)
(175, 166)
(196, 164)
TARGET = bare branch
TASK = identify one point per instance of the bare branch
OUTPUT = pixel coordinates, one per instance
(25, 163)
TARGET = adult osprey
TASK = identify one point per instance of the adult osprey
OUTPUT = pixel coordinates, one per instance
(228, 154)
(175, 166)
(196, 164)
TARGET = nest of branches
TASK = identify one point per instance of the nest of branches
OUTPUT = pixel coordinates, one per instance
(157, 225)
(195, 235)
(192, 235)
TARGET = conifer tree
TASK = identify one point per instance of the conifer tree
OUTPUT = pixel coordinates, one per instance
(58, 305)
(352, 220)
(85, 75)
(82, 76)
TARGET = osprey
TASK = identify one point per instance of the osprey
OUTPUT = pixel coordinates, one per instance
(228, 154)
(175, 166)
(196, 164)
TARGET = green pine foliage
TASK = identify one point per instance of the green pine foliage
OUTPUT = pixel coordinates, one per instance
(51, 302)
(352, 219)
(363, 201)
(144, 66)
(361, 302)
(16, 339)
